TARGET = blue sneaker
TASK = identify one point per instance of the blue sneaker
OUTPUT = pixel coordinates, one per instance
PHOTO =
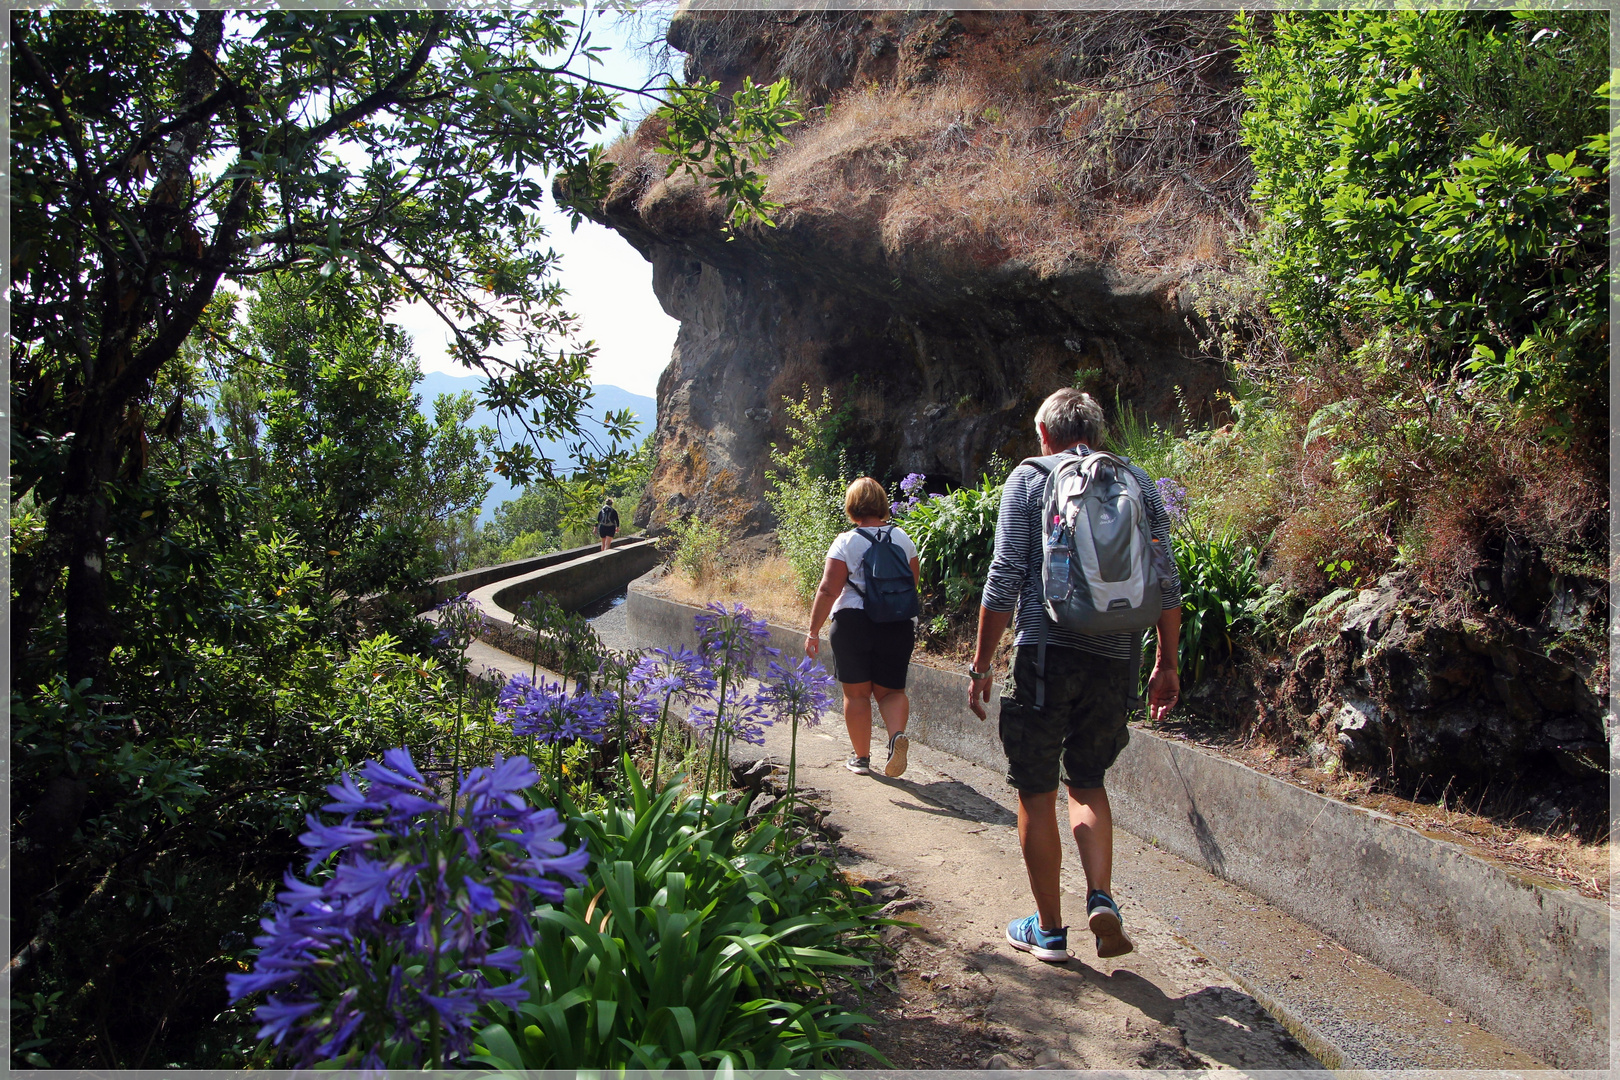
(1102, 914)
(1050, 945)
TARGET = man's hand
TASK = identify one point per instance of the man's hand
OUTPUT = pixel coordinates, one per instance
(812, 645)
(992, 624)
(979, 695)
(1164, 687)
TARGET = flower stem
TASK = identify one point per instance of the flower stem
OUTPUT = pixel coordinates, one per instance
(714, 735)
(658, 742)
(793, 762)
(455, 765)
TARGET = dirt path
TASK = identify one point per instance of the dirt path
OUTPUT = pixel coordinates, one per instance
(961, 995)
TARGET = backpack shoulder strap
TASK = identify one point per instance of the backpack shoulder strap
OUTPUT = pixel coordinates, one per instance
(1045, 463)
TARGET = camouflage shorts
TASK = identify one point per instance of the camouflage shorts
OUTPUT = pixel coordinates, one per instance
(1080, 731)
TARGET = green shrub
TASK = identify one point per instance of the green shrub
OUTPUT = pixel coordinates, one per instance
(529, 544)
(695, 944)
(809, 507)
(697, 547)
(1443, 173)
(955, 536)
(1148, 445)
(1220, 599)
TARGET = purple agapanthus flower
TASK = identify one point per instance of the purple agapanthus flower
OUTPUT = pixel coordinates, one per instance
(742, 717)
(665, 672)
(421, 904)
(798, 693)
(548, 712)
(1174, 497)
(731, 639)
(912, 488)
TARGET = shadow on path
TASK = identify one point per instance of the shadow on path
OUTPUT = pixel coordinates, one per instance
(1225, 1025)
(950, 798)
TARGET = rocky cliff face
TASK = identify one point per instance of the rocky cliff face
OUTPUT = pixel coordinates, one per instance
(1515, 701)
(953, 245)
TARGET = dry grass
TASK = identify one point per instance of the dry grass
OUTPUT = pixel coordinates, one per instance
(1044, 140)
(967, 172)
(768, 588)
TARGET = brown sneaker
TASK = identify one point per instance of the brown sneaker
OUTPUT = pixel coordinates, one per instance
(897, 755)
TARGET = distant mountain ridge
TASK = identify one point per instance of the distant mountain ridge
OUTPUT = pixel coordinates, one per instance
(606, 399)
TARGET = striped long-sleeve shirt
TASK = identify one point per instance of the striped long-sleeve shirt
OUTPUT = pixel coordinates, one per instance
(1015, 570)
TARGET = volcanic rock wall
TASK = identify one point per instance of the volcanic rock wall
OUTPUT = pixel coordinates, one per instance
(957, 240)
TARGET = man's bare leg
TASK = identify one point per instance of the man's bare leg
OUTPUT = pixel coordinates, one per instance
(1042, 846)
(1093, 825)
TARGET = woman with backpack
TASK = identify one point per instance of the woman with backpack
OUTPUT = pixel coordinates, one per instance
(607, 523)
(869, 586)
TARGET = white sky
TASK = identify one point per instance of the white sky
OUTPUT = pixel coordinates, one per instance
(609, 285)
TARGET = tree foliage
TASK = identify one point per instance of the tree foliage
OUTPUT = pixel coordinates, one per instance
(222, 476)
(1444, 172)
(400, 154)
(808, 504)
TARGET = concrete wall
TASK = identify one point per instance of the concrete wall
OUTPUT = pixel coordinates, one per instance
(443, 588)
(572, 584)
(1526, 960)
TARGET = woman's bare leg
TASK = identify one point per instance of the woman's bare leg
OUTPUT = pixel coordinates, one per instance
(858, 717)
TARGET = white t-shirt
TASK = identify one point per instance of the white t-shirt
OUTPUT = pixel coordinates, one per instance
(851, 548)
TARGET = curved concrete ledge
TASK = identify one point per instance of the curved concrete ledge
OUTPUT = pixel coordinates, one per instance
(443, 588)
(573, 583)
(1525, 960)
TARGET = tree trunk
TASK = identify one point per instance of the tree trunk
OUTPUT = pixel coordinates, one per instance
(77, 523)
(82, 518)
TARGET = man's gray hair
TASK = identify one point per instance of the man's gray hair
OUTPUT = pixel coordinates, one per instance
(1072, 416)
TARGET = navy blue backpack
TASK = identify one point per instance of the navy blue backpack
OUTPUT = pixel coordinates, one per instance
(891, 590)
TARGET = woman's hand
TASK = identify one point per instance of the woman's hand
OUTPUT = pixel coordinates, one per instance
(812, 645)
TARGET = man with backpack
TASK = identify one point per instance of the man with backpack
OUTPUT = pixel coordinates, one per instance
(1081, 553)
(607, 523)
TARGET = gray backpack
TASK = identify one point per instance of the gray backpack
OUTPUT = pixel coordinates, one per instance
(1102, 572)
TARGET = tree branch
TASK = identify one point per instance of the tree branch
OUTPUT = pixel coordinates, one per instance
(384, 95)
(70, 129)
(202, 110)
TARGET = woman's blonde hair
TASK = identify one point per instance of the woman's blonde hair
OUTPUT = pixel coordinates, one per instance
(866, 498)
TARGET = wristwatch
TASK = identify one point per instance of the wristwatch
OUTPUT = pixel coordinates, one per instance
(977, 675)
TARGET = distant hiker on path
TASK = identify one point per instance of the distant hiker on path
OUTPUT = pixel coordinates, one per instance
(607, 523)
(1066, 717)
(869, 585)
